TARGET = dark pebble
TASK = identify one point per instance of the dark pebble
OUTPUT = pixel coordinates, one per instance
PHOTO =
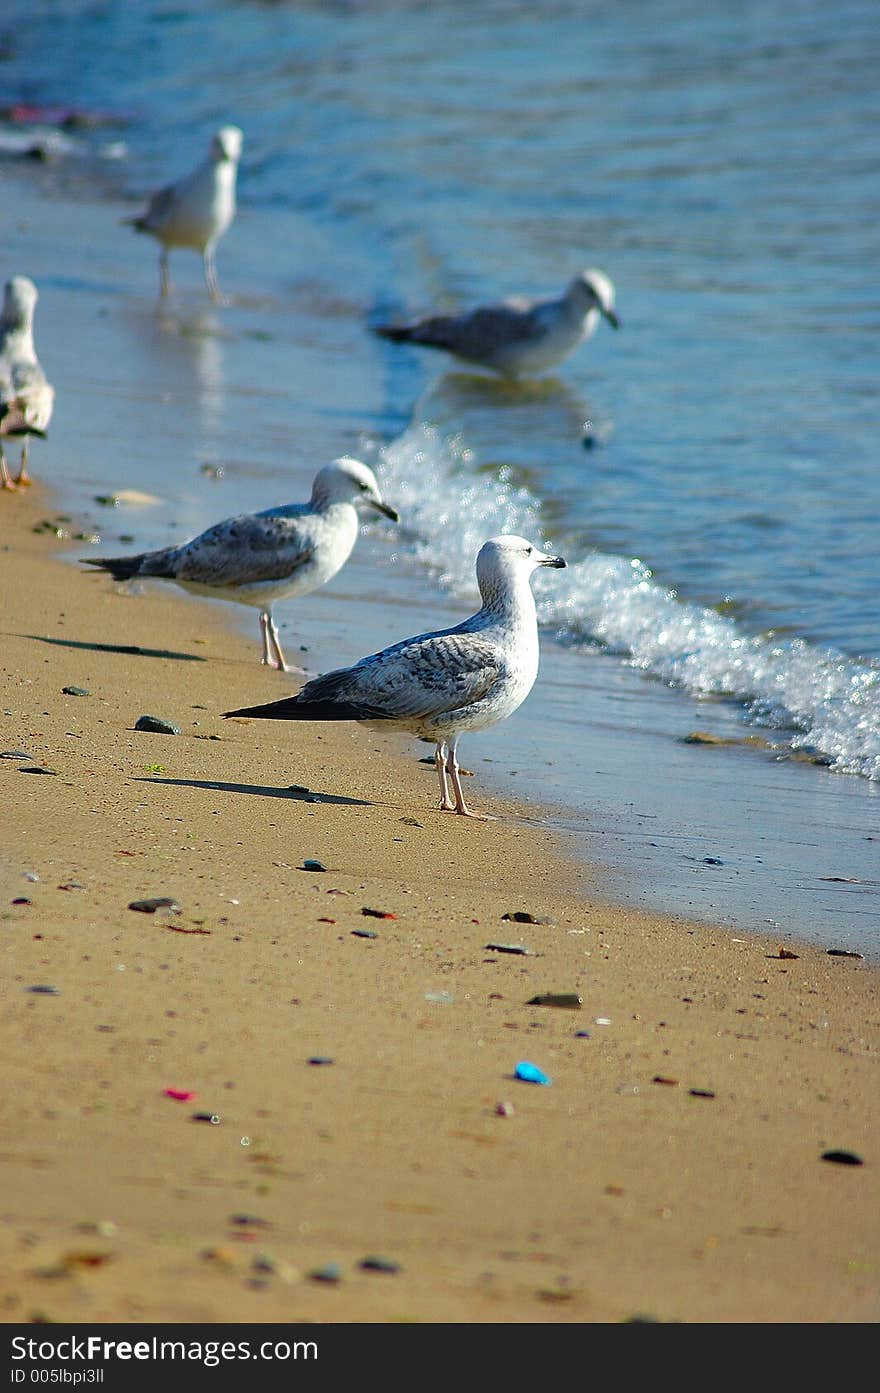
(712, 861)
(582, 1035)
(378, 913)
(156, 725)
(150, 906)
(34, 769)
(365, 933)
(44, 991)
(522, 916)
(22, 899)
(310, 865)
(509, 948)
(213, 1117)
(332, 1272)
(76, 691)
(842, 953)
(372, 1264)
(701, 1093)
(250, 1221)
(843, 1158)
(321, 1059)
(571, 1000)
(15, 754)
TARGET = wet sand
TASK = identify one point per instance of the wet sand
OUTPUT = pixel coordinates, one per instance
(672, 1169)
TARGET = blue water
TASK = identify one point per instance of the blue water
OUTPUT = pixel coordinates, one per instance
(723, 528)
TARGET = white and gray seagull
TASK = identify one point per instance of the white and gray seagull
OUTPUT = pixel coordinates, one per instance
(258, 558)
(517, 337)
(440, 685)
(197, 210)
(26, 398)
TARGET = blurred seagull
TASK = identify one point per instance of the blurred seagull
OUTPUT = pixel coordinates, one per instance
(439, 685)
(26, 398)
(196, 211)
(258, 558)
(517, 337)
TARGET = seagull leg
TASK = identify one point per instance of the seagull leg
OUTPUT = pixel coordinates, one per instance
(164, 276)
(23, 479)
(5, 476)
(446, 804)
(211, 277)
(272, 654)
(461, 806)
(265, 620)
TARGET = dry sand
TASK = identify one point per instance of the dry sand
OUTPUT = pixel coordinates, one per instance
(673, 1169)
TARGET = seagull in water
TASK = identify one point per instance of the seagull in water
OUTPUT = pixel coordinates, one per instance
(26, 398)
(517, 337)
(258, 558)
(439, 685)
(196, 211)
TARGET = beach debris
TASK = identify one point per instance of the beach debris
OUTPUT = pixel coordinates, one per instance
(159, 902)
(73, 885)
(181, 1095)
(250, 1221)
(518, 948)
(331, 1272)
(365, 933)
(440, 998)
(662, 1078)
(309, 864)
(378, 913)
(568, 1000)
(845, 879)
(524, 916)
(21, 899)
(76, 691)
(319, 1059)
(530, 1073)
(35, 769)
(842, 953)
(601, 1020)
(212, 1117)
(179, 929)
(15, 754)
(32, 877)
(705, 737)
(701, 1093)
(582, 1035)
(786, 953)
(843, 1158)
(85, 1259)
(40, 990)
(503, 1109)
(712, 861)
(376, 1264)
(411, 821)
(156, 725)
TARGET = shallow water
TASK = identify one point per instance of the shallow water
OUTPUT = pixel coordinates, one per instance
(722, 530)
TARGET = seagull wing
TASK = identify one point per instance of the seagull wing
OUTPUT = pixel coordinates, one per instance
(245, 551)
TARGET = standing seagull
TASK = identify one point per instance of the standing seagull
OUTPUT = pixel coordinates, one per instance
(196, 211)
(26, 399)
(439, 685)
(258, 558)
(517, 337)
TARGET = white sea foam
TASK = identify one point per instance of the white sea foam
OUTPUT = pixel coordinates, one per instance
(813, 698)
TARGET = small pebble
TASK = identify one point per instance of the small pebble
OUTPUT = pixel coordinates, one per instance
(510, 948)
(76, 691)
(378, 913)
(21, 899)
(32, 877)
(504, 1110)
(442, 998)
(365, 933)
(44, 991)
(843, 1158)
(34, 769)
(331, 1272)
(160, 902)
(570, 1000)
(842, 953)
(601, 1020)
(310, 865)
(212, 1117)
(321, 1059)
(373, 1264)
(582, 1035)
(522, 916)
(156, 725)
(530, 1073)
(701, 1093)
(15, 754)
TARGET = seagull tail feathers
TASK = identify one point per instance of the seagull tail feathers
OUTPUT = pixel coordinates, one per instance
(295, 709)
(119, 567)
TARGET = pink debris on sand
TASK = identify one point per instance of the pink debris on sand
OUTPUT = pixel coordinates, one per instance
(182, 1095)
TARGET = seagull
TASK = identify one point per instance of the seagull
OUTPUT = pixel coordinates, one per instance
(439, 685)
(26, 398)
(196, 211)
(258, 558)
(517, 337)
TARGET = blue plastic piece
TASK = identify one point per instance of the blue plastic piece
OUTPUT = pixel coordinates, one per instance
(530, 1073)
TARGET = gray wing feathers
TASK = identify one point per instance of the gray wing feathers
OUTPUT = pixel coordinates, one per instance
(245, 551)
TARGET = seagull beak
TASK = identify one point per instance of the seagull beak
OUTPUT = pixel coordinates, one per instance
(385, 508)
(611, 317)
(557, 562)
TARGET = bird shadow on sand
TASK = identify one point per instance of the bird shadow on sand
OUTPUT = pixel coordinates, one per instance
(129, 649)
(294, 793)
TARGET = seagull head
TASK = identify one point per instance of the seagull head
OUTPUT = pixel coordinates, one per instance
(347, 480)
(19, 299)
(226, 144)
(595, 291)
(503, 561)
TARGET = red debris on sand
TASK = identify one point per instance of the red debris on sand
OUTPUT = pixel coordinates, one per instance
(182, 1095)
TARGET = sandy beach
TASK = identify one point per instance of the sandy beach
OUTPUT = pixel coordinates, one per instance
(673, 1168)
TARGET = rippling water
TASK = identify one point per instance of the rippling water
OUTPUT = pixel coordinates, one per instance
(709, 472)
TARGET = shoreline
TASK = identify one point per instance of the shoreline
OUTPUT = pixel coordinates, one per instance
(673, 1168)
